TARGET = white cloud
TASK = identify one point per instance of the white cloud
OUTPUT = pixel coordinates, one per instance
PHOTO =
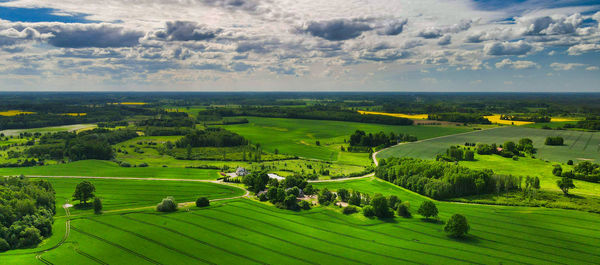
(592, 68)
(582, 48)
(508, 48)
(565, 66)
(507, 63)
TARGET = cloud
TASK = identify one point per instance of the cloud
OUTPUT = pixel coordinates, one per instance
(185, 31)
(393, 28)
(445, 40)
(582, 48)
(565, 66)
(430, 33)
(90, 35)
(592, 68)
(507, 48)
(547, 25)
(436, 32)
(507, 63)
(336, 30)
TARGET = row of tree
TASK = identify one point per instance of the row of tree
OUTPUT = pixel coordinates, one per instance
(380, 139)
(508, 149)
(26, 212)
(441, 180)
(214, 137)
(459, 117)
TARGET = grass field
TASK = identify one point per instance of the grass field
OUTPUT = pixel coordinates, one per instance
(64, 128)
(400, 115)
(298, 137)
(578, 145)
(99, 168)
(248, 232)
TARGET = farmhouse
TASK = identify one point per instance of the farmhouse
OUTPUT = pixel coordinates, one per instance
(240, 171)
(275, 176)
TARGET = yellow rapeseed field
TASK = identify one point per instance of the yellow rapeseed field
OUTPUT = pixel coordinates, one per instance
(74, 114)
(400, 115)
(496, 119)
(14, 112)
(129, 103)
(562, 119)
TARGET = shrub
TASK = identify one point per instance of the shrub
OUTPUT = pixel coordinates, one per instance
(428, 209)
(125, 164)
(368, 211)
(403, 210)
(344, 194)
(457, 226)
(556, 140)
(290, 202)
(4, 246)
(515, 158)
(557, 170)
(97, 205)
(203, 202)
(304, 205)
(143, 165)
(350, 209)
(168, 204)
(326, 197)
(262, 197)
(570, 162)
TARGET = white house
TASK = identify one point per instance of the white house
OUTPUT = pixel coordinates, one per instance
(275, 176)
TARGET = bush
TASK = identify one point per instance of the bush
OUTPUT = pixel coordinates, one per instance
(125, 164)
(168, 204)
(143, 165)
(428, 209)
(304, 205)
(457, 226)
(368, 211)
(350, 209)
(403, 210)
(570, 162)
(515, 158)
(290, 202)
(202, 202)
(262, 197)
(344, 194)
(556, 140)
(97, 205)
(4, 246)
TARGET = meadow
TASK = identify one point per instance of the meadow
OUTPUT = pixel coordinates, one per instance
(100, 168)
(578, 145)
(298, 137)
(52, 129)
(244, 231)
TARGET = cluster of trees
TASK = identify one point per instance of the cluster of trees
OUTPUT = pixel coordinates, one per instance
(534, 117)
(317, 112)
(112, 124)
(441, 180)
(584, 170)
(26, 212)
(554, 140)
(459, 117)
(590, 123)
(215, 137)
(167, 122)
(380, 139)
(282, 194)
(456, 153)
(508, 149)
(168, 204)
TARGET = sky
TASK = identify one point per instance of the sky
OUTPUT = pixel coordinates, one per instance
(300, 45)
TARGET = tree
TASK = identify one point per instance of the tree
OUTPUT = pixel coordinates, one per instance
(368, 211)
(202, 202)
(457, 226)
(393, 201)
(428, 209)
(344, 194)
(84, 191)
(350, 209)
(565, 184)
(304, 205)
(380, 206)
(469, 155)
(290, 202)
(536, 183)
(97, 205)
(4, 246)
(557, 170)
(293, 191)
(355, 198)
(326, 197)
(168, 204)
(403, 210)
(257, 181)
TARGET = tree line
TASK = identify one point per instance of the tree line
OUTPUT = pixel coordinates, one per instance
(459, 117)
(26, 212)
(380, 140)
(442, 180)
(213, 137)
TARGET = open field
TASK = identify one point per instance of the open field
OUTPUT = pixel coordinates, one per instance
(298, 137)
(496, 119)
(64, 128)
(400, 115)
(578, 145)
(15, 112)
(247, 232)
(100, 168)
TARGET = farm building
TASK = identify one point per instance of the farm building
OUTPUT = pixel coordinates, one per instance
(275, 176)
(240, 171)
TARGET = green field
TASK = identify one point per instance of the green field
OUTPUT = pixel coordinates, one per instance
(99, 168)
(298, 137)
(64, 128)
(248, 232)
(578, 145)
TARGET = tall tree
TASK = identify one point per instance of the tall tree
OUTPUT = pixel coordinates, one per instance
(84, 191)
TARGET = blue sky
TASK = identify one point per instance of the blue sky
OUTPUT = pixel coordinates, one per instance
(287, 45)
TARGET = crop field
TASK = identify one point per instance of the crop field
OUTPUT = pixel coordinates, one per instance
(64, 128)
(15, 112)
(119, 194)
(248, 232)
(496, 119)
(400, 115)
(100, 168)
(298, 137)
(578, 145)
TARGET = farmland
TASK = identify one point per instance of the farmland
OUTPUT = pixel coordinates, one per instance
(578, 145)
(298, 137)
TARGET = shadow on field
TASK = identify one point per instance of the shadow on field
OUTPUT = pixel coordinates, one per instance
(433, 221)
(469, 239)
(83, 206)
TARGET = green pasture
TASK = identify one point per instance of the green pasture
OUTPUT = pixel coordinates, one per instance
(100, 168)
(248, 232)
(52, 129)
(298, 136)
(578, 145)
